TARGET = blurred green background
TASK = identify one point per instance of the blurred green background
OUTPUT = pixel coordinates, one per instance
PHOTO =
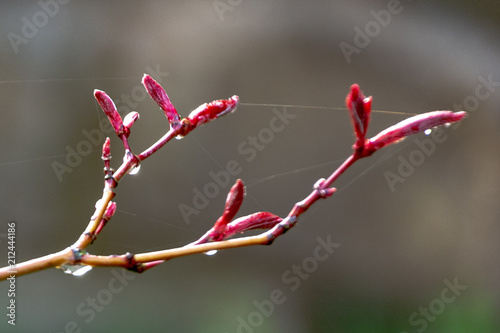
(399, 249)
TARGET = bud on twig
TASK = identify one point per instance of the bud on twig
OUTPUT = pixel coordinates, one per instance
(233, 204)
(109, 108)
(106, 150)
(129, 120)
(260, 220)
(209, 111)
(409, 126)
(360, 110)
(108, 213)
(158, 94)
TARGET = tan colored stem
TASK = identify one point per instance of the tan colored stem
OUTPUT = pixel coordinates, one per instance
(86, 237)
(38, 264)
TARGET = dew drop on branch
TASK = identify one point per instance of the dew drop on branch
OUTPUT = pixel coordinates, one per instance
(134, 170)
(428, 131)
(210, 253)
(75, 270)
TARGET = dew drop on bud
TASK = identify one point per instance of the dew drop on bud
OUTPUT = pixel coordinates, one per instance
(75, 270)
(428, 131)
(179, 137)
(447, 125)
(210, 253)
(134, 170)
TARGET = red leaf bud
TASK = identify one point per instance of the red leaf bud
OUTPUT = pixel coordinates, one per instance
(260, 220)
(130, 119)
(158, 94)
(233, 204)
(359, 108)
(109, 109)
(106, 149)
(410, 126)
(209, 111)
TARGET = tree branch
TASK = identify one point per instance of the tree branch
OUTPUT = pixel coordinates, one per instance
(225, 227)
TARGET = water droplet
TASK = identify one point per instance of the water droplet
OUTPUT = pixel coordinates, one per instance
(134, 170)
(447, 125)
(179, 137)
(428, 131)
(75, 270)
(210, 253)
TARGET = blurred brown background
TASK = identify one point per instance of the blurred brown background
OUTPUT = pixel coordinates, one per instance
(398, 246)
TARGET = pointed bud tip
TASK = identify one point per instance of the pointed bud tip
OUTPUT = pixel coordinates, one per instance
(146, 78)
(100, 95)
(106, 148)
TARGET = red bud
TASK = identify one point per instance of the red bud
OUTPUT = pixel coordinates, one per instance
(261, 220)
(130, 119)
(410, 126)
(359, 109)
(233, 204)
(109, 109)
(108, 213)
(106, 149)
(158, 94)
(209, 111)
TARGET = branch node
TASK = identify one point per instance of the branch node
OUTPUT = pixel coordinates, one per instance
(92, 236)
(324, 192)
(77, 255)
(108, 178)
(132, 264)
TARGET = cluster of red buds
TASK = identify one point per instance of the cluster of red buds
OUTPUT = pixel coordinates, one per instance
(202, 114)
(178, 126)
(227, 225)
(359, 108)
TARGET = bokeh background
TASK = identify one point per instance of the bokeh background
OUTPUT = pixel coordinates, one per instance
(397, 247)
